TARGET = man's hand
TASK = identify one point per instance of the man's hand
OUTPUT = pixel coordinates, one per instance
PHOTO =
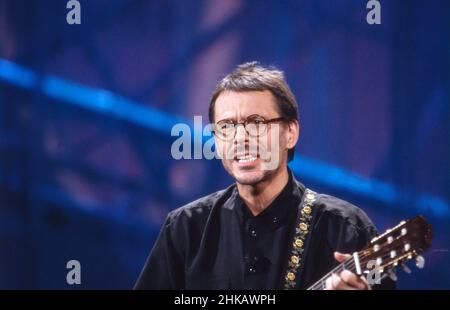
(346, 280)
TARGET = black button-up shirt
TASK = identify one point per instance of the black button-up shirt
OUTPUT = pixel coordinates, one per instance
(263, 235)
(216, 243)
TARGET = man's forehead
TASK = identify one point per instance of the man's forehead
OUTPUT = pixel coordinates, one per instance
(241, 104)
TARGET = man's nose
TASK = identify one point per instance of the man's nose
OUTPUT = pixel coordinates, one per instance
(241, 134)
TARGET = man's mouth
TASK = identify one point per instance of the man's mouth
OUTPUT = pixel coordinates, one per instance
(246, 158)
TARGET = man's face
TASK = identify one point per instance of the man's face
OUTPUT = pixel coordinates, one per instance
(252, 158)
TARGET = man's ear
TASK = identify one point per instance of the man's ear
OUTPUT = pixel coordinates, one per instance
(293, 134)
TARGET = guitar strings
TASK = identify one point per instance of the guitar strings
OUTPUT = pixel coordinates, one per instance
(343, 266)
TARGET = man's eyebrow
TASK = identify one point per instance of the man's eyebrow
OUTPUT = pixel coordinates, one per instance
(247, 117)
(254, 115)
(227, 119)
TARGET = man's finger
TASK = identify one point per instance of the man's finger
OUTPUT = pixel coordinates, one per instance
(352, 280)
(368, 286)
(340, 257)
(336, 283)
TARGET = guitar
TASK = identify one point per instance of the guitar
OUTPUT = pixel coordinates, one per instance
(387, 251)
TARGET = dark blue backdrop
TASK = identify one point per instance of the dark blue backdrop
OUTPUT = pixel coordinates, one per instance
(86, 112)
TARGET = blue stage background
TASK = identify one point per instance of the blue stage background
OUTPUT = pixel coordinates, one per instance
(86, 113)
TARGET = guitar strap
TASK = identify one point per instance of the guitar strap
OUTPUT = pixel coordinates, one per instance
(300, 239)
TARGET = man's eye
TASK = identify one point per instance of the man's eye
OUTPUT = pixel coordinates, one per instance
(256, 121)
(226, 126)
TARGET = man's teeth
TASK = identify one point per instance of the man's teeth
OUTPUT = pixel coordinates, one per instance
(246, 159)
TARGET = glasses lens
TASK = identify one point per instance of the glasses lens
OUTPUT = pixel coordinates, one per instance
(255, 127)
(225, 129)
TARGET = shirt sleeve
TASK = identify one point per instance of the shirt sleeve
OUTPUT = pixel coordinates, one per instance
(164, 268)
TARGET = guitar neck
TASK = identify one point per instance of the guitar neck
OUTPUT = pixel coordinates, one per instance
(391, 249)
(349, 265)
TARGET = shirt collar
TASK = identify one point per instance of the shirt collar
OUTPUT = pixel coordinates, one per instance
(278, 211)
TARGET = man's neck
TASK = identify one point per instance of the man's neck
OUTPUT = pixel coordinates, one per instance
(258, 197)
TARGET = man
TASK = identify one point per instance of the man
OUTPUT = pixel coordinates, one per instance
(267, 231)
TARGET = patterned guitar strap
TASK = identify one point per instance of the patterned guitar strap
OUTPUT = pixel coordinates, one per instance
(295, 257)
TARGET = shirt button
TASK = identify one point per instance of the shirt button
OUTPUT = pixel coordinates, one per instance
(253, 233)
(256, 258)
(275, 222)
(251, 270)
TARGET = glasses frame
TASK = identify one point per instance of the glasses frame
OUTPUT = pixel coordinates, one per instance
(245, 123)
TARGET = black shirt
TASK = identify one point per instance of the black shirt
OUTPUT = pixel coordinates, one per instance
(265, 236)
(216, 243)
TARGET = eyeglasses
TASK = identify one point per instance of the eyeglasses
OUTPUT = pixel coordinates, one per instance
(255, 126)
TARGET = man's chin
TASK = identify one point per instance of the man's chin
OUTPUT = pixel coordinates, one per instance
(249, 177)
